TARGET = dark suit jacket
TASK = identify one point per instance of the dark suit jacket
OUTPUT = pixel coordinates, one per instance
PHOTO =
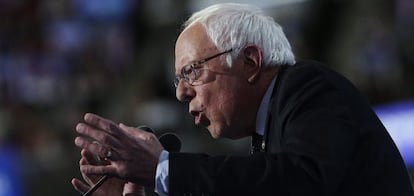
(322, 138)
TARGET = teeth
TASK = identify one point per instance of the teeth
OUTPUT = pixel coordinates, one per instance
(197, 117)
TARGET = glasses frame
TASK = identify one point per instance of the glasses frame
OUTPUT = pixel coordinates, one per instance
(193, 75)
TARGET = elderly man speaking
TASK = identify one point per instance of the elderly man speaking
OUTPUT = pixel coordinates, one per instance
(312, 132)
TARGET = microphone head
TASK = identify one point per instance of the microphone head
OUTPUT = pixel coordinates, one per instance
(171, 142)
(146, 128)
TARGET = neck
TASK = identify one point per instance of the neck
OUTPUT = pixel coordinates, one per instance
(260, 89)
(266, 77)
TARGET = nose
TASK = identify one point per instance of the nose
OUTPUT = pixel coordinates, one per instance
(184, 91)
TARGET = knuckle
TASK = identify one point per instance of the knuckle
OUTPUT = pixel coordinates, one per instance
(106, 126)
(151, 137)
(105, 139)
(112, 127)
(96, 148)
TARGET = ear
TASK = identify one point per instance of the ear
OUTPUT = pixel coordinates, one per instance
(252, 58)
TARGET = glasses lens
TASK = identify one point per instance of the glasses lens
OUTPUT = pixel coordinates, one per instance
(187, 70)
(190, 73)
(192, 76)
(176, 81)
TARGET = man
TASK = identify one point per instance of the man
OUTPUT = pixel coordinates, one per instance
(314, 134)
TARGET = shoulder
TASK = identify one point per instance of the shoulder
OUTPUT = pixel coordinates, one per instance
(312, 81)
(310, 73)
(306, 68)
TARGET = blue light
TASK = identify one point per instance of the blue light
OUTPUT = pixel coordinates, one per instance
(398, 118)
(10, 181)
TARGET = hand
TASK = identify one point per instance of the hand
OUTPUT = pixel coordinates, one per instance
(132, 154)
(112, 186)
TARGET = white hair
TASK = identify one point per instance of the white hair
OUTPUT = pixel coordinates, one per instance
(233, 26)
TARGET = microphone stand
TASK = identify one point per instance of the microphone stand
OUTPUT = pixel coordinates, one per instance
(96, 186)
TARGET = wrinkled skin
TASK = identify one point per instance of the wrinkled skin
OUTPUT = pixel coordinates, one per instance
(134, 157)
(112, 186)
(225, 99)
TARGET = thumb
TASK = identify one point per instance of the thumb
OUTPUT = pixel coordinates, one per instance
(127, 129)
(79, 186)
(124, 127)
(135, 133)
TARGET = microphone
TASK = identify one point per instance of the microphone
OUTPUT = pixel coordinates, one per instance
(170, 141)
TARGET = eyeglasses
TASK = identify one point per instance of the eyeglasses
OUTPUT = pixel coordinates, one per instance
(190, 73)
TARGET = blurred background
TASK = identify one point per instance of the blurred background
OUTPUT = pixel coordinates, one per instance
(62, 58)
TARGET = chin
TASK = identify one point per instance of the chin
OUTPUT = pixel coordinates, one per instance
(220, 133)
(214, 135)
(214, 132)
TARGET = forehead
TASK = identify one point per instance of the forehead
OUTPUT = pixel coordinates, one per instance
(193, 44)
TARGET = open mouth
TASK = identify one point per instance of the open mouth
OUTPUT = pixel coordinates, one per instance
(200, 118)
(197, 116)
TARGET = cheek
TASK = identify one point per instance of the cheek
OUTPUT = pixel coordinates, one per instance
(222, 104)
(220, 98)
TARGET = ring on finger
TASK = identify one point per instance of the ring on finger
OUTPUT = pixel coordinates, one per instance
(108, 154)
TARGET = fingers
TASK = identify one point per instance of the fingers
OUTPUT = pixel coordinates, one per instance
(92, 147)
(79, 186)
(89, 158)
(101, 123)
(97, 134)
(132, 131)
(136, 133)
(98, 170)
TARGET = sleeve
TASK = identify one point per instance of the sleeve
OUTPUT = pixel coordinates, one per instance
(161, 176)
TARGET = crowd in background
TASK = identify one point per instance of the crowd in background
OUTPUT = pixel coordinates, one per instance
(62, 58)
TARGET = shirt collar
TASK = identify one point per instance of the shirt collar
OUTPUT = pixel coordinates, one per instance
(263, 108)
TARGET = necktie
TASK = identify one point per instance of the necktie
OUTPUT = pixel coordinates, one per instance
(257, 141)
